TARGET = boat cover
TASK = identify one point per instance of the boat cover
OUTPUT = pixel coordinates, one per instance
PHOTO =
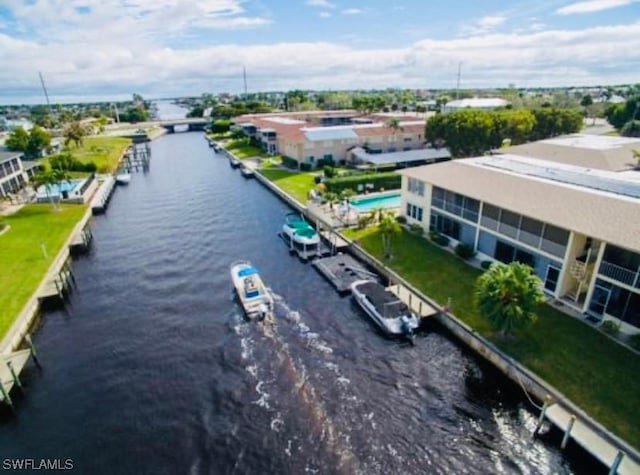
(247, 271)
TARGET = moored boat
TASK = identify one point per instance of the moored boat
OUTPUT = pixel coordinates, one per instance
(385, 309)
(123, 177)
(252, 293)
(300, 236)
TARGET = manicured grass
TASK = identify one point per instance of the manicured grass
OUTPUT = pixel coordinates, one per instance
(596, 373)
(22, 262)
(295, 183)
(103, 151)
(241, 149)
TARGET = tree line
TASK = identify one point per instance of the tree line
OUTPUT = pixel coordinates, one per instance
(473, 132)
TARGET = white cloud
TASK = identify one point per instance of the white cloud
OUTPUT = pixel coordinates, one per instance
(324, 14)
(591, 6)
(320, 3)
(79, 63)
(484, 24)
(352, 11)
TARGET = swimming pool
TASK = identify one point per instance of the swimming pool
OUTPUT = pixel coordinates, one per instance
(364, 205)
(67, 188)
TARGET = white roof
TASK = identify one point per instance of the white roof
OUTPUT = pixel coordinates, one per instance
(315, 134)
(593, 142)
(429, 154)
(610, 217)
(284, 120)
(477, 102)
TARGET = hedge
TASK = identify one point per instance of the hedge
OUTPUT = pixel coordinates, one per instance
(388, 181)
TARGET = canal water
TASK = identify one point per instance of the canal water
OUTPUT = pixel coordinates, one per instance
(152, 367)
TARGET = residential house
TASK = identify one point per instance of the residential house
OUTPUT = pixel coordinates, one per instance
(569, 207)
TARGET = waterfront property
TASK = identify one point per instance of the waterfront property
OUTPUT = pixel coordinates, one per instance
(12, 173)
(381, 200)
(313, 138)
(578, 227)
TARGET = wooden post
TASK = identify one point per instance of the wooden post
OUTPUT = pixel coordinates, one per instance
(32, 350)
(16, 379)
(616, 463)
(567, 432)
(5, 396)
(547, 402)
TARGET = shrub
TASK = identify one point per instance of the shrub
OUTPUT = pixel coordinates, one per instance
(464, 251)
(329, 171)
(401, 219)
(289, 162)
(486, 264)
(438, 238)
(305, 167)
(416, 228)
(388, 181)
(610, 327)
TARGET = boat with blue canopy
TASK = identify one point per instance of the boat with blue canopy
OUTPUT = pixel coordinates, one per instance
(300, 236)
(254, 296)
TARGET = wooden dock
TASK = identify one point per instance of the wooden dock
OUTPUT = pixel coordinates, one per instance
(418, 306)
(101, 198)
(11, 365)
(342, 270)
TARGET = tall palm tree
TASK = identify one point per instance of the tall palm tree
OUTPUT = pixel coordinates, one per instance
(507, 295)
(388, 226)
(47, 180)
(74, 132)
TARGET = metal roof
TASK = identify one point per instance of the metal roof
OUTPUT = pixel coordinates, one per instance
(329, 133)
(405, 156)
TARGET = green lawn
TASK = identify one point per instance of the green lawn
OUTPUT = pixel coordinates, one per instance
(594, 372)
(241, 149)
(22, 262)
(103, 151)
(295, 183)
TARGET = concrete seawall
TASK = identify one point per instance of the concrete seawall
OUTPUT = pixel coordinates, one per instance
(607, 445)
(13, 338)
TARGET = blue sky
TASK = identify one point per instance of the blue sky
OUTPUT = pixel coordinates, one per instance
(109, 49)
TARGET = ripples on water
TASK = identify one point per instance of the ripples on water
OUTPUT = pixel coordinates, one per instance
(153, 369)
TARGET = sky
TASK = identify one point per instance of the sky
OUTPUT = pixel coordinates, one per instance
(102, 50)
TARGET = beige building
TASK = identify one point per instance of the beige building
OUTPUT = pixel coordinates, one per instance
(12, 174)
(310, 137)
(569, 207)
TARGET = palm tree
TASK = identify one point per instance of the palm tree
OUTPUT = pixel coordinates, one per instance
(74, 132)
(388, 226)
(507, 295)
(376, 214)
(46, 179)
(636, 155)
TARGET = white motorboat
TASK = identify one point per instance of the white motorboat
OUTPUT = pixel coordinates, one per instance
(385, 309)
(123, 177)
(300, 236)
(252, 293)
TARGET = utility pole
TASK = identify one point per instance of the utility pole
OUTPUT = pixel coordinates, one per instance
(244, 76)
(458, 84)
(46, 95)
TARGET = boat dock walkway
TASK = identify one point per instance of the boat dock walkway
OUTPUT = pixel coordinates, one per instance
(103, 195)
(11, 365)
(591, 441)
(342, 270)
(421, 308)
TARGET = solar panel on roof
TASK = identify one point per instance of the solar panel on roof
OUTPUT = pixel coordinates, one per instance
(571, 177)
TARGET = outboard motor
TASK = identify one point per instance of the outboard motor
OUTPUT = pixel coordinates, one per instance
(406, 329)
(264, 311)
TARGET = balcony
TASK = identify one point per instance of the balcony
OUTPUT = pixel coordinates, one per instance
(621, 274)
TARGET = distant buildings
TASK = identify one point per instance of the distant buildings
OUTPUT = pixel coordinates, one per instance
(313, 138)
(486, 103)
(569, 207)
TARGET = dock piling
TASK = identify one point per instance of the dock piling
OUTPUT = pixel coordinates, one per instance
(32, 350)
(16, 379)
(547, 402)
(5, 396)
(616, 463)
(567, 432)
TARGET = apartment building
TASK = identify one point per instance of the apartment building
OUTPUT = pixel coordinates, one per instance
(569, 207)
(313, 137)
(12, 174)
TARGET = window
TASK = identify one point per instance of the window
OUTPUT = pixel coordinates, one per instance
(509, 223)
(455, 203)
(554, 240)
(490, 216)
(414, 212)
(445, 225)
(530, 231)
(415, 186)
(406, 139)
